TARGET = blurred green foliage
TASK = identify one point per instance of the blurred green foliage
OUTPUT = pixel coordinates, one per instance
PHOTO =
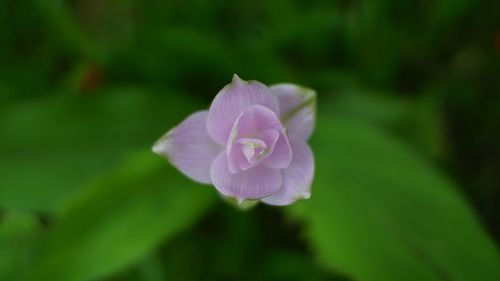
(407, 184)
(390, 215)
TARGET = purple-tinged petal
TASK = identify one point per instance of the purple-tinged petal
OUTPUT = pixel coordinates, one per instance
(255, 122)
(298, 108)
(189, 147)
(255, 183)
(255, 119)
(232, 100)
(252, 148)
(268, 139)
(281, 156)
(245, 154)
(297, 178)
(236, 158)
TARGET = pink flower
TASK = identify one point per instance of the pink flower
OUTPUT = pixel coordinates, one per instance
(251, 144)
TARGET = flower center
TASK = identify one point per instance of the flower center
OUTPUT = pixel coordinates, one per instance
(253, 149)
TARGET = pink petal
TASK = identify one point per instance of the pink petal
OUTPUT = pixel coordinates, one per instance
(189, 147)
(281, 156)
(254, 183)
(242, 157)
(232, 100)
(256, 121)
(253, 120)
(236, 159)
(270, 137)
(251, 152)
(297, 178)
(297, 105)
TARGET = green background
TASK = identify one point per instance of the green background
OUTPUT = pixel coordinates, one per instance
(407, 183)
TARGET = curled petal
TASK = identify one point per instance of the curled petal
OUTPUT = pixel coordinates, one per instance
(297, 178)
(281, 156)
(254, 183)
(254, 122)
(232, 100)
(255, 119)
(252, 148)
(247, 153)
(189, 147)
(298, 108)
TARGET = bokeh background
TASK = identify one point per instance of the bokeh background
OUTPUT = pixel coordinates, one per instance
(407, 142)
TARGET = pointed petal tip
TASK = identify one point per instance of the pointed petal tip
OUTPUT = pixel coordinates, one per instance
(156, 149)
(304, 196)
(240, 203)
(240, 200)
(160, 146)
(237, 80)
(308, 92)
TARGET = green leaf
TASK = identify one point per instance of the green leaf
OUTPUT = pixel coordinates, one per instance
(18, 235)
(416, 121)
(150, 269)
(380, 212)
(51, 147)
(119, 220)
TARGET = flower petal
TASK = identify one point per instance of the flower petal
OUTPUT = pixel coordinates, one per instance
(266, 146)
(189, 147)
(298, 108)
(232, 100)
(281, 155)
(297, 178)
(242, 157)
(254, 183)
(255, 121)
